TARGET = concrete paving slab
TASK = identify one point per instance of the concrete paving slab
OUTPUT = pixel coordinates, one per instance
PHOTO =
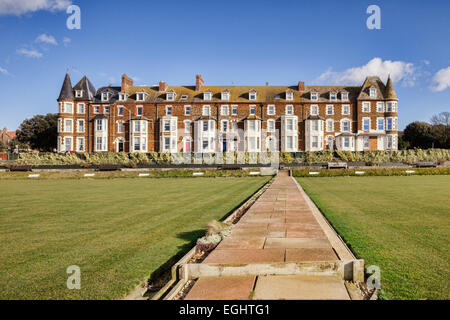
(222, 288)
(300, 288)
(242, 256)
(310, 254)
(242, 242)
(315, 234)
(296, 243)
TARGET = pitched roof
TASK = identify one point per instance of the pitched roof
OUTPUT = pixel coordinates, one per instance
(237, 94)
(389, 90)
(87, 87)
(372, 82)
(324, 95)
(66, 89)
(11, 134)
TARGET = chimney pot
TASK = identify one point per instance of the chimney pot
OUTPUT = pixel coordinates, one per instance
(163, 86)
(301, 86)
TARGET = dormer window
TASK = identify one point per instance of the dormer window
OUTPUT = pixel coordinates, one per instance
(333, 96)
(78, 93)
(207, 96)
(372, 92)
(225, 96)
(170, 96)
(122, 96)
(140, 96)
(105, 96)
(184, 97)
(289, 96)
(314, 96)
(344, 96)
(252, 95)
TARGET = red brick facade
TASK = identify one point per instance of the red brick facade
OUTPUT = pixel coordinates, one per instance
(154, 118)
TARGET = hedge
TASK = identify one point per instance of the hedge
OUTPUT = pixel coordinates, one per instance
(306, 158)
(370, 172)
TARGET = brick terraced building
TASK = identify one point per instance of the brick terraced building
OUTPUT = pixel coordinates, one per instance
(201, 118)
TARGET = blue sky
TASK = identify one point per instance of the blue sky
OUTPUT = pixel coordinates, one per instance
(228, 42)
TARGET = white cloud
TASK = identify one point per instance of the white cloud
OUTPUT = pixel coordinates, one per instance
(29, 53)
(399, 71)
(4, 71)
(66, 41)
(46, 38)
(441, 80)
(20, 7)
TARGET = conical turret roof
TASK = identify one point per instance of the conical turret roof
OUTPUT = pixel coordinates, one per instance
(66, 90)
(389, 92)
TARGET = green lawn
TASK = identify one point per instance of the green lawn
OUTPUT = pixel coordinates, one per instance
(401, 224)
(118, 231)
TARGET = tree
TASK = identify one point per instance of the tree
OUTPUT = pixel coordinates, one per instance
(39, 132)
(402, 144)
(419, 135)
(442, 118)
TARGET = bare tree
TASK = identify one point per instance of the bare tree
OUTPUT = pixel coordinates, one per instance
(442, 118)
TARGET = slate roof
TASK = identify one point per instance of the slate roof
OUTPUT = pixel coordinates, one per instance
(372, 82)
(112, 97)
(66, 90)
(389, 90)
(324, 93)
(87, 87)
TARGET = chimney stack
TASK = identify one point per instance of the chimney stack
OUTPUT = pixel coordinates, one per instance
(126, 83)
(301, 86)
(163, 86)
(267, 84)
(199, 82)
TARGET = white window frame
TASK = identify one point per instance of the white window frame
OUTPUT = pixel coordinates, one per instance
(187, 126)
(344, 96)
(207, 96)
(333, 96)
(345, 106)
(366, 106)
(206, 110)
(364, 119)
(139, 108)
(122, 96)
(314, 96)
(222, 127)
(120, 108)
(332, 110)
(380, 107)
(81, 108)
(169, 110)
(83, 144)
(83, 126)
(378, 124)
(71, 126)
(271, 121)
(234, 108)
(225, 96)
(66, 107)
(252, 96)
(349, 125)
(103, 96)
(187, 110)
(252, 107)
(96, 109)
(328, 121)
(372, 92)
(314, 107)
(289, 110)
(78, 93)
(170, 96)
(120, 127)
(140, 96)
(107, 109)
(224, 110)
(289, 96)
(271, 113)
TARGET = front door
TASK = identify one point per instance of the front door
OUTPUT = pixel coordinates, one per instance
(224, 145)
(373, 141)
(120, 146)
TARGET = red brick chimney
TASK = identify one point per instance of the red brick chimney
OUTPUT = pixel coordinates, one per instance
(163, 86)
(199, 82)
(126, 82)
(301, 86)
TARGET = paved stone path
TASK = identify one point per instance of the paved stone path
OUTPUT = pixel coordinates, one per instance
(279, 228)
